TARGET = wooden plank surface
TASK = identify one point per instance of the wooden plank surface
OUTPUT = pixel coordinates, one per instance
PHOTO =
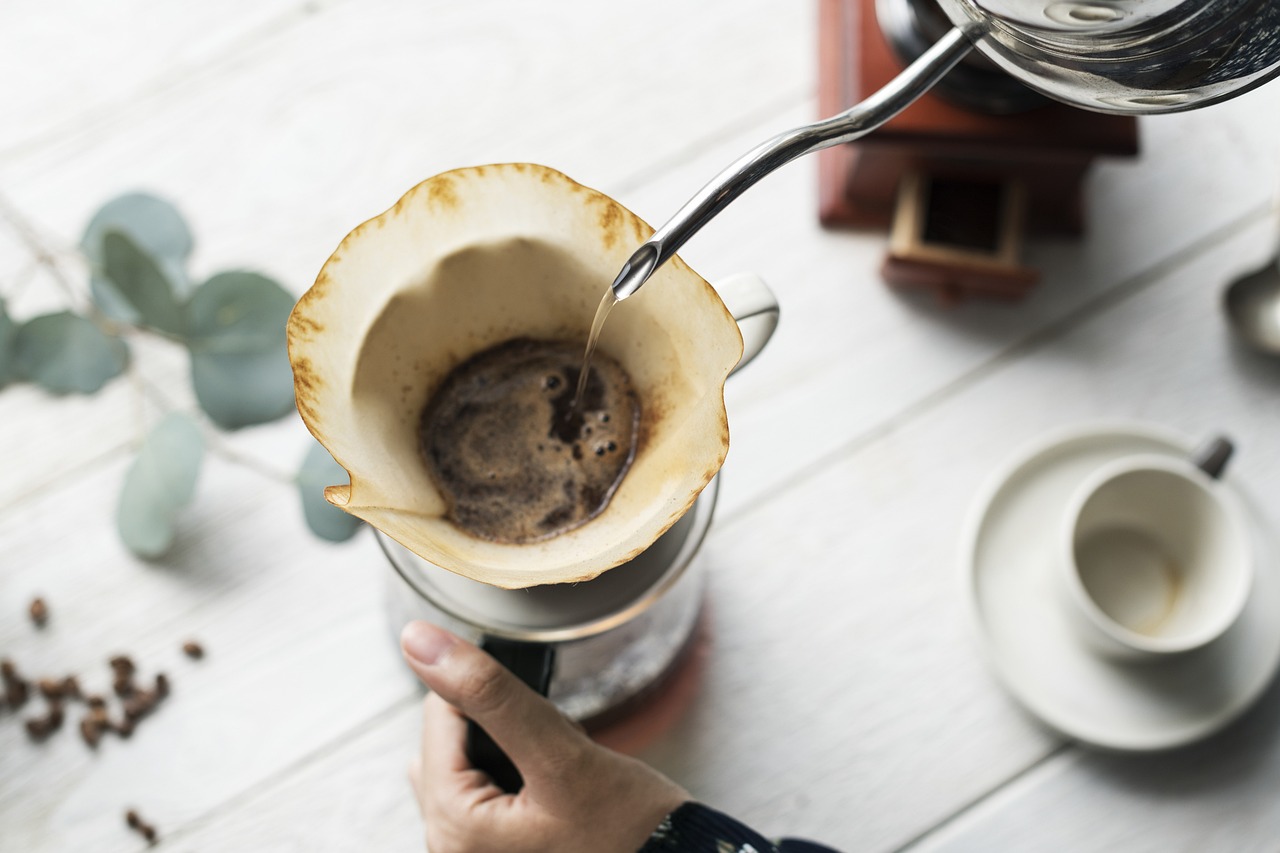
(69, 64)
(845, 698)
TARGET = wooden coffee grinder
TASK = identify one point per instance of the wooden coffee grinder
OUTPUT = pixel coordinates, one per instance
(962, 175)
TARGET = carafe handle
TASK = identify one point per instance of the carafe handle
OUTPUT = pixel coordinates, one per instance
(754, 309)
(533, 664)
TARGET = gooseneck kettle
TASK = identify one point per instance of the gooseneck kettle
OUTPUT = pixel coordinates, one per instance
(1115, 56)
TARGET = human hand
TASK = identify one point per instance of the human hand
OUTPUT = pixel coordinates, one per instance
(578, 797)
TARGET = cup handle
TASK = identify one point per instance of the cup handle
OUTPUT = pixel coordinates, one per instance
(754, 308)
(532, 663)
(1213, 457)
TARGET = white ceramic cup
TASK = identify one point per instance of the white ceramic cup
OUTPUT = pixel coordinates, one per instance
(1156, 558)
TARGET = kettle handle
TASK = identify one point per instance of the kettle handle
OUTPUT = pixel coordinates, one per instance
(532, 663)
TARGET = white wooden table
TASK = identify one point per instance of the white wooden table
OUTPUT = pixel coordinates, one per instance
(860, 438)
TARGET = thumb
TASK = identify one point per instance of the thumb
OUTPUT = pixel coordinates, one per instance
(539, 740)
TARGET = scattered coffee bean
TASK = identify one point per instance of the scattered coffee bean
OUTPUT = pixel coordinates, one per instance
(39, 612)
(140, 826)
(39, 728)
(136, 701)
(91, 731)
(193, 650)
(138, 706)
(16, 689)
(50, 688)
(123, 666)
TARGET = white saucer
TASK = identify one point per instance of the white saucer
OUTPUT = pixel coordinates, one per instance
(1034, 650)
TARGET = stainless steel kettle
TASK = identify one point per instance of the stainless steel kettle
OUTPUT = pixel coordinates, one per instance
(1127, 56)
(1115, 56)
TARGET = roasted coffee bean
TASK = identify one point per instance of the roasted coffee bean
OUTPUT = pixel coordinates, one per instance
(91, 731)
(39, 612)
(124, 728)
(99, 717)
(140, 826)
(124, 687)
(193, 650)
(50, 688)
(16, 690)
(55, 715)
(123, 666)
(96, 702)
(138, 706)
(162, 686)
(39, 728)
(71, 688)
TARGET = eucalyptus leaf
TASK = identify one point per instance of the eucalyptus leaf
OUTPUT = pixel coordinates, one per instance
(239, 362)
(8, 332)
(243, 389)
(139, 281)
(237, 312)
(157, 228)
(65, 353)
(160, 482)
(325, 520)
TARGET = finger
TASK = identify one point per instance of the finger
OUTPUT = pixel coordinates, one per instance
(415, 779)
(538, 738)
(444, 733)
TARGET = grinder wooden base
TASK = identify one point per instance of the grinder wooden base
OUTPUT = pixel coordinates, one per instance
(914, 174)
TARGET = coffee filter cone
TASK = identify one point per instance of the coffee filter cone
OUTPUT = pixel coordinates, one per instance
(464, 261)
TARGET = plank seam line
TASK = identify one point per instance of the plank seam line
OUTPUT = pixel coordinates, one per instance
(282, 775)
(970, 805)
(105, 116)
(1100, 304)
(66, 478)
(747, 122)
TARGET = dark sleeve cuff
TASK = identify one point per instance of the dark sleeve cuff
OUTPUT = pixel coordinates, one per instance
(695, 828)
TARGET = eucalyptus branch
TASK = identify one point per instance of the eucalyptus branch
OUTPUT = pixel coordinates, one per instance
(219, 447)
(21, 279)
(39, 249)
(213, 439)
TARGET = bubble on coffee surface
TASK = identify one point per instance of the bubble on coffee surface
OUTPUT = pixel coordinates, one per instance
(516, 461)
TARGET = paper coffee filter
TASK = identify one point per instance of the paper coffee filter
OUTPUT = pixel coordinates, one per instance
(464, 261)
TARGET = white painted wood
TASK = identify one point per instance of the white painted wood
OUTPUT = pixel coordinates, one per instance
(845, 700)
(856, 566)
(354, 797)
(298, 653)
(71, 62)
(306, 134)
(1174, 365)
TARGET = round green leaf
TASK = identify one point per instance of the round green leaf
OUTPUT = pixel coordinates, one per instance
(65, 353)
(238, 312)
(325, 520)
(243, 389)
(8, 332)
(156, 227)
(239, 363)
(139, 281)
(160, 482)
